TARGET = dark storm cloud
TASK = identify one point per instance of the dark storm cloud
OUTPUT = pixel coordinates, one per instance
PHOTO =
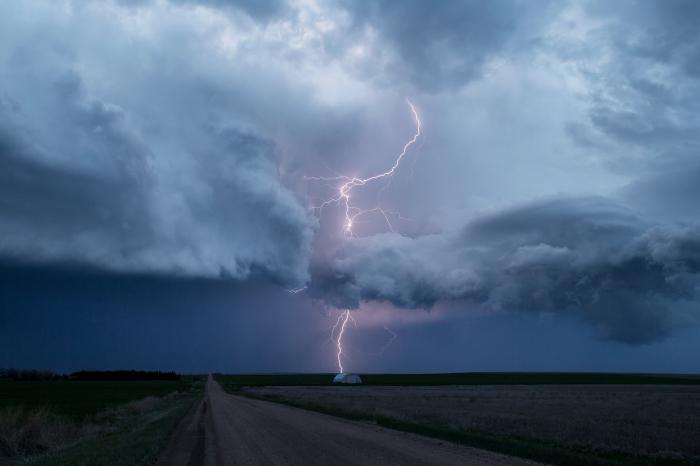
(154, 137)
(643, 99)
(445, 44)
(644, 90)
(256, 9)
(661, 30)
(51, 210)
(668, 195)
(586, 257)
(144, 186)
(262, 9)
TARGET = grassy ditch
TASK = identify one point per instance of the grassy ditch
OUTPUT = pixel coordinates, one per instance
(132, 439)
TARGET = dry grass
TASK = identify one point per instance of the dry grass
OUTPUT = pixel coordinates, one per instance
(24, 433)
(132, 408)
(657, 421)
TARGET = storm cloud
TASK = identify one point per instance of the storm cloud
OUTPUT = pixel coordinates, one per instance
(161, 182)
(556, 174)
(446, 44)
(590, 257)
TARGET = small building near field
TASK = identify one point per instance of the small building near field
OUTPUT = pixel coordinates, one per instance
(347, 378)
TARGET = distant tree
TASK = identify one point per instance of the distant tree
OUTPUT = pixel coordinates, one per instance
(124, 375)
(29, 375)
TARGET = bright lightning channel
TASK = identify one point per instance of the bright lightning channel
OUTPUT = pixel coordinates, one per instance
(352, 212)
(345, 316)
(341, 322)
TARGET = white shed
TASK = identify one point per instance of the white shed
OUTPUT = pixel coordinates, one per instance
(347, 378)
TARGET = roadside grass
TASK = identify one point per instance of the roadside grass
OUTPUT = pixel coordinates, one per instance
(25, 433)
(464, 378)
(91, 423)
(135, 440)
(522, 447)
(80, 400)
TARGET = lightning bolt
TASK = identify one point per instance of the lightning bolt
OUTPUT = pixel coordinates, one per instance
(344, 190)
(343, 317)
(347, 185)
(296, 290)
(393, 336)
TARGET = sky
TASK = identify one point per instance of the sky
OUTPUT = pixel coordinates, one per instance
(177, 178)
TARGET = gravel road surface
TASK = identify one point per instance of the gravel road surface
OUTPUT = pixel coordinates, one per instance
(226, 429)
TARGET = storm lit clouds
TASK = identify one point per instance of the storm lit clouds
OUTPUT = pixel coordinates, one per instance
(557, 173)
(632, 279)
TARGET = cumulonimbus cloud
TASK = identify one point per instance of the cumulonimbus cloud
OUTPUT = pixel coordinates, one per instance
(179, 153)
(587, 257)
(153, 174)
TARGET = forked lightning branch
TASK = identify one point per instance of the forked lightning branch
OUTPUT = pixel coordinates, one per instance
(343, 197)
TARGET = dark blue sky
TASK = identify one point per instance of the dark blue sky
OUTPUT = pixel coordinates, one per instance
(156, 206)
(72, 319)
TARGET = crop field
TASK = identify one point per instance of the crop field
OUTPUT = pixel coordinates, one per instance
(80, 399)
(466, 378)
(591, 421)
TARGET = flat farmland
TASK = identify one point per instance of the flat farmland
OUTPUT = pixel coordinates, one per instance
(80, 399)
(590, 424)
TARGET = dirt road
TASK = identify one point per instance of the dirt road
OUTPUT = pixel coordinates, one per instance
(230, 430)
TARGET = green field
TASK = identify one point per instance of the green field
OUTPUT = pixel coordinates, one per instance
(463, 378)
(136, 440)
(68, 422)
(78, 400)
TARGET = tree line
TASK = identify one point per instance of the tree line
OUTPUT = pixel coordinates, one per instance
(39, 375)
